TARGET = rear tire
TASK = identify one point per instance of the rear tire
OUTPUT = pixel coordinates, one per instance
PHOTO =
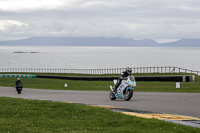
(128, 94)
(112, 95)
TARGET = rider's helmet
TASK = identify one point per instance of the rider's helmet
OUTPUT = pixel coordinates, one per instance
(18, 79)
(129, 70)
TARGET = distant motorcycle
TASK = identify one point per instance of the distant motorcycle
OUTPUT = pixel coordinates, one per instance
(19, 88)
(125, 89)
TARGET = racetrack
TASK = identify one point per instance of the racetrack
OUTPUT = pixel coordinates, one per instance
(187, 104)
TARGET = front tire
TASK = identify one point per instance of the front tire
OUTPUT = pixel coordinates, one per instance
(19, 90)
(128, 94)
(112, 95)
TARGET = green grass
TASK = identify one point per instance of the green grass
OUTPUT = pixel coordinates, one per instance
(31, 116)
(58, 84)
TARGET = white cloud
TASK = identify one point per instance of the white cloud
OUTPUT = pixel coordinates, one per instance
(166, 40)
(138, 19)
(20, 5)
(12, 28)
(6, 24)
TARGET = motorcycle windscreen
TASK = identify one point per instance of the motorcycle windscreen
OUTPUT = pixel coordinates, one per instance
(133, 80)
(115, 81)
(133, 83)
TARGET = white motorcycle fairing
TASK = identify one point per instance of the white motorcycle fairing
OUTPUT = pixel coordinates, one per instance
(124, 88)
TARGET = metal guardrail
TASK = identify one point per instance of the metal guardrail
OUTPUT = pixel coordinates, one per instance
(163, 69)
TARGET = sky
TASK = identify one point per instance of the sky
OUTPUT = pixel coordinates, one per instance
(161, 20)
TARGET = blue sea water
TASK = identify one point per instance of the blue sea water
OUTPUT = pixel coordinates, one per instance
(99, 57)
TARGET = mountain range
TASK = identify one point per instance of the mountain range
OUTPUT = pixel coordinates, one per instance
(98, 41)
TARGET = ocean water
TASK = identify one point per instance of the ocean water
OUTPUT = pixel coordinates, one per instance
(99, 57)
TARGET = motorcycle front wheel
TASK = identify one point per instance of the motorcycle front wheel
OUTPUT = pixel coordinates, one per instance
(128, 94)
(112, 95)
(19, 90)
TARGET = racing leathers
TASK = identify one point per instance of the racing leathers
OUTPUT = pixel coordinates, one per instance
(123, 76)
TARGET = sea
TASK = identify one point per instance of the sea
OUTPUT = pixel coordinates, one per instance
(99, 57)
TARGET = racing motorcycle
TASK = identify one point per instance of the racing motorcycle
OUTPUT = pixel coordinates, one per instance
(19, 88)
(125, 89)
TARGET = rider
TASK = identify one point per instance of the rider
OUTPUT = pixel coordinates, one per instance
(18, 82)
(123, 75)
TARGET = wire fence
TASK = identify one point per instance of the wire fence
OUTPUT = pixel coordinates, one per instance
(163, 69)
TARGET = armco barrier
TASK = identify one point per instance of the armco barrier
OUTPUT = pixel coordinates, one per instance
(162, 69)
(184, 78)
(16, 76)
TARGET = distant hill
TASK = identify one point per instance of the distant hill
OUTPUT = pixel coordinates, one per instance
(184, 43)
(98, 41)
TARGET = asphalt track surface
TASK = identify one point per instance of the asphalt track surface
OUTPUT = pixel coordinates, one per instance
(187, 104)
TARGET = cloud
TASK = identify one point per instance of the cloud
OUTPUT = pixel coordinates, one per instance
(24, 5)
(137, 19)
(12, 26)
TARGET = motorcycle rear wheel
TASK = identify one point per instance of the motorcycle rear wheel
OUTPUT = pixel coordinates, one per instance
(128, 94)
(112, 95)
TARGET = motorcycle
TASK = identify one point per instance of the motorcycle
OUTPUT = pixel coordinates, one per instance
(125, 89)
(19, 88)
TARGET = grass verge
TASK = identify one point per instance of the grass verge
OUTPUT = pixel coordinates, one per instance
(19, 115)
(58, 84)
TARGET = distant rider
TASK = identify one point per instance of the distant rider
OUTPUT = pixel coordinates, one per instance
(123, 75)
(18, 83)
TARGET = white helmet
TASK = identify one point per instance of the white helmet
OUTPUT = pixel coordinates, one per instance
(129, 70)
